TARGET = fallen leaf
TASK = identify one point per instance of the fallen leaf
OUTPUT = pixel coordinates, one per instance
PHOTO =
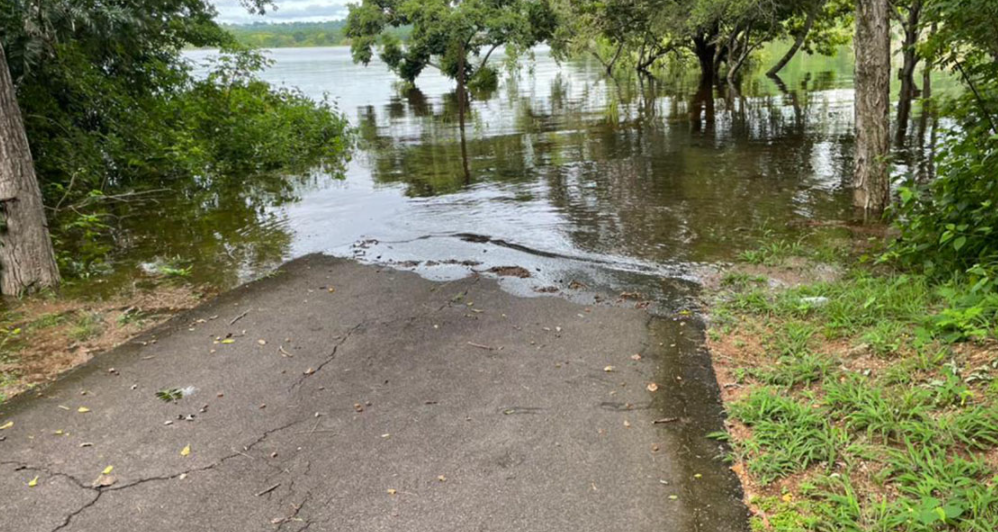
(83, 410)
(609, 369)
(186, 451)
(635, 357)
(33, 482)
(228, 341)
(698, 475)
(392, 491)
(7, 425)
(104, 481)
(107, 470)
(673, 497)
(787, 497)
(652, 387)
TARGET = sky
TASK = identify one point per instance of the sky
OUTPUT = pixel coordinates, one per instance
(232, 11)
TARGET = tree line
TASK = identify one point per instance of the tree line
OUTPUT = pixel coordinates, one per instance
(294, 34)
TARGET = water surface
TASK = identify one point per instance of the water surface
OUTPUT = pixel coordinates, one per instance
(568, 173)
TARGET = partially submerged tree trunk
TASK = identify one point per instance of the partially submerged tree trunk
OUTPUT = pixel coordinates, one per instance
(705, 49)
(799, 40)
(907, 74)
(461, 103)
(27, 260)
(871, 180)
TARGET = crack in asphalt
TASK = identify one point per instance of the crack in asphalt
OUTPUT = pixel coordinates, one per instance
(99, 491)
(330, 357)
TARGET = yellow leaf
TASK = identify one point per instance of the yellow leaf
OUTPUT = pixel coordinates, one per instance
(83, 410)
(7, 425)
(186, 451)
(33, 482)
(788, 497)
(107, 470)
(228, 341)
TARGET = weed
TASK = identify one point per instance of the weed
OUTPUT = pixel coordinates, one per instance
(787, 436)
(87, 326)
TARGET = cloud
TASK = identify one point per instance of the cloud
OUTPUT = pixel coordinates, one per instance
(233, 12)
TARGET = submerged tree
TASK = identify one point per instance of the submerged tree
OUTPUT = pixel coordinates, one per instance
(444, 34)
(871, 181)
(909, 17)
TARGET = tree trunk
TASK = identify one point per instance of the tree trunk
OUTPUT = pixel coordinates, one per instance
(705, 50)
(927, 71)
(27, 260)
(799, 41)
(871, 181)
(461, 93)
(907, 74)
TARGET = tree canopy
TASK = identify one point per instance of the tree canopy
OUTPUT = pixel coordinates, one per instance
(445, 34)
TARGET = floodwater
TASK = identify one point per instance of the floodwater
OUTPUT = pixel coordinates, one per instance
(629, 184)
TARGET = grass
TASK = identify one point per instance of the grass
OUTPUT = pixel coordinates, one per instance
(867, 402)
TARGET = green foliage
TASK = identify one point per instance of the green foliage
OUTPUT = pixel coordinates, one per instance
(170, 395)
(296, 34)
(787, 436)
(442, 31)
(948, 226)
(113, 113)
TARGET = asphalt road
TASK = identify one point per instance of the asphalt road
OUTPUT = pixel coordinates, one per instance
(337, 396)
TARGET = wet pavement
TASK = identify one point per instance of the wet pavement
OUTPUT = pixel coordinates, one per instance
(339, 396)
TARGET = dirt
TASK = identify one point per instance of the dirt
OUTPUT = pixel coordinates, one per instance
(48, 336)
(511, 271)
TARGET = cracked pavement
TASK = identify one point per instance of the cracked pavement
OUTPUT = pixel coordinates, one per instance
(364, 399)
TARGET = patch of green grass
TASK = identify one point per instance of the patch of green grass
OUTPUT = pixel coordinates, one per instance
(791, 370)
(52, 319)
(788, 436)
(87, 326)
(894, 442)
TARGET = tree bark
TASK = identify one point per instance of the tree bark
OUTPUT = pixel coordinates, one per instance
(461, 94)
(27, 260)
(799, 41)
(704, 49)
(907, 75)
(871, 180)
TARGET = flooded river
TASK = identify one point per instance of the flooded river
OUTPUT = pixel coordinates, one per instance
(566, 173)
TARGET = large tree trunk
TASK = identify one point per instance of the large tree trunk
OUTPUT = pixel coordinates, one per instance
(27, 261)
(907, 75)
(871, 181)
(799, 41)
(705, 49)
